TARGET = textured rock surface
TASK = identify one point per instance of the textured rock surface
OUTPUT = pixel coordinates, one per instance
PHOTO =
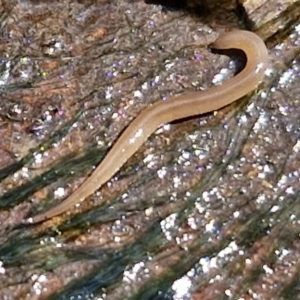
(208, 207)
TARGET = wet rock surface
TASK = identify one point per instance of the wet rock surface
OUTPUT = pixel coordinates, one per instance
(206, 209)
